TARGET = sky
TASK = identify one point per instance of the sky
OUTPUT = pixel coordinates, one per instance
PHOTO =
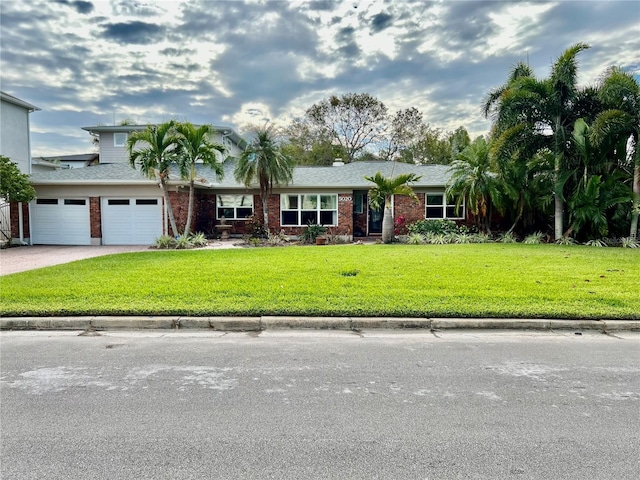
(241, 63)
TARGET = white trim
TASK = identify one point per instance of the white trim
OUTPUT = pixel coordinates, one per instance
(318, 208)
(444, 205)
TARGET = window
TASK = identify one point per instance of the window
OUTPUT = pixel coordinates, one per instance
(120, 139)
(358, 203)
(147, 201)
(117, 202)
(71, 201)
(234, 207)
(301, 210)
(439, 207)
(47, 201)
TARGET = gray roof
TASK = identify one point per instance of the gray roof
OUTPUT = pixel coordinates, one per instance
(104, 173)
(350, 176)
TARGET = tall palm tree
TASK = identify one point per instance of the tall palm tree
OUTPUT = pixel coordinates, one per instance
(381, 195)
(539, 114)
(619, 127)
(154, 156)
(195, 147)
(263, 162)
(471, 178)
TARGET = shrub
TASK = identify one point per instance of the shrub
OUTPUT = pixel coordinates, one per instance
(565, 241)
(596, 243)
(533, 239)
(277, 239)
(462, 237)
(183, 242)
(165, 241)
(311, 232)
(628, 242)
(400, 225)
(507, 237)
(480, 238)
(254, 226)
(198, 239)
(433, 226)
(415, 239)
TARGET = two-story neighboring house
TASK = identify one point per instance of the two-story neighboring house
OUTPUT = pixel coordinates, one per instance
(15, 143)
(108, 202)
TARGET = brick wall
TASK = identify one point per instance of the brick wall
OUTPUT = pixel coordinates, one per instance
(15, 220)
(407, 206)
(180, 204)
(95, 217)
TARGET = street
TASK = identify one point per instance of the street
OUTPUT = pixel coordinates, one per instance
(320, 404)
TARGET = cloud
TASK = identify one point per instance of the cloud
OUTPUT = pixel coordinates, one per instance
(133, 32)
(380, 21)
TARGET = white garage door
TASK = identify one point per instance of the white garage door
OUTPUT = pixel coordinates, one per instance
(60, 221)
(131, 221)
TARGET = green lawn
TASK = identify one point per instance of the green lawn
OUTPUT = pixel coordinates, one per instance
(485, 280)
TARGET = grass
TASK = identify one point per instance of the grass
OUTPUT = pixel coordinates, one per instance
(482, 280)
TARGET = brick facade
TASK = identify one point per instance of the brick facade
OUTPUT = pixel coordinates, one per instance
(15, 220)
(95, 217)
(411, 209)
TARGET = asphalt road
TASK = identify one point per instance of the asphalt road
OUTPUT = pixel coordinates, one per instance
(325, 405)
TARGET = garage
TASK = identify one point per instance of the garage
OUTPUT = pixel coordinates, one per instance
(60, 221)
(131, 221)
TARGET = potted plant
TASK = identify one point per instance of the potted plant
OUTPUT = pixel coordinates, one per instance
(313, 233)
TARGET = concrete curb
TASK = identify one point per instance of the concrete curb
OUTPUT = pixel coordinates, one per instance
(247, 324)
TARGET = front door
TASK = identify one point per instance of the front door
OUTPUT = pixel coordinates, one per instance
(375, 220)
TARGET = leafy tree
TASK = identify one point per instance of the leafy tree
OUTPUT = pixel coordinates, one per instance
(431, 148)
(264, 163)
(194, 147)
(309, 146)
(381, 194)
(14, 185)
(618, 126)
(157, 153)
(405, 131)
(353, 121)
(539, 114)
(458, 141)
(471, 178)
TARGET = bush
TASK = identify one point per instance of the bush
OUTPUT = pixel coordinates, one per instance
(255, 227)
(533, 239)
(198, 239)
(311, 232)
(415, 239)
(183, 242)
(628, 242)
(436, 227)
(400, 225)
(596, 243)
(165, 241)
(507, 237)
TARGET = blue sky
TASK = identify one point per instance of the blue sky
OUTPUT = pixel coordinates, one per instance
(239, 63)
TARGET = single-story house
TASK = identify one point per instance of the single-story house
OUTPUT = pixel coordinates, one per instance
(112, 203)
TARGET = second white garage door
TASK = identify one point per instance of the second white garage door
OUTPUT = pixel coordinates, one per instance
(131, 221)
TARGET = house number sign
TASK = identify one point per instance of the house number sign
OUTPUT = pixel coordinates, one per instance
(345, 198)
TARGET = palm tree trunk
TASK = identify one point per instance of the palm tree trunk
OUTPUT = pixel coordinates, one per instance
(387, 221)
(636, 200)
(167, 202)
(187, 227)
(559, 204)
(265, 211)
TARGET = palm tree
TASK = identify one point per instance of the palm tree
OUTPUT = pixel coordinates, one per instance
(539, 114)
(619, 127)
(471, 178)
(380, 195)
(195, 147)
(263, 162)
(155, 157)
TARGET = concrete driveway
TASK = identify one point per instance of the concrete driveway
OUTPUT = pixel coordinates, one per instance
(20, 259)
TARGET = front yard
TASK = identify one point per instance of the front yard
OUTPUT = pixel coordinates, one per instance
(478, 280)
